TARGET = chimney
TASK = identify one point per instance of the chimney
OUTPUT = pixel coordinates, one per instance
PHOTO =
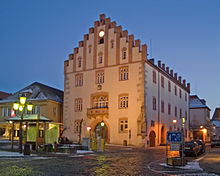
(113, 24)
(180, 79)
(163, 66)
(125, 33)
(159, 63)
(102, 18)
(86, 37)
(91, 30)
(151, 60)
(184, 83)
(167, 70)
(175, 76)
(188, 87)
(76, 50)
(80, 43)
(171, 73)
(137, 43)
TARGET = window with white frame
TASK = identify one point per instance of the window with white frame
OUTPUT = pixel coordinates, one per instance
(123, 125)
(79, 80)
(123, 101)
(123, 73)
(77, 126)
(78, 104)
(100, 77)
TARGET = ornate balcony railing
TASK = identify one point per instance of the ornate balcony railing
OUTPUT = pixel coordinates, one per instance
(95, 111)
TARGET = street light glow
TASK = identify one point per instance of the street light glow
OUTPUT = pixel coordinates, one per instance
(21, 108)
(16, 106)
(174, 121)
(22, 100)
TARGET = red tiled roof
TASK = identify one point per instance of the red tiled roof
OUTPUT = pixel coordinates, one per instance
(3, 95)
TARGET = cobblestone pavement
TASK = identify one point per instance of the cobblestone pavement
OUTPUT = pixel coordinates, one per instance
(115, 161)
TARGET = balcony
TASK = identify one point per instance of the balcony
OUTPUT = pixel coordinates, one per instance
(98, 111)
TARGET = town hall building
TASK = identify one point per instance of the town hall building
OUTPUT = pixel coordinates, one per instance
(112, 90)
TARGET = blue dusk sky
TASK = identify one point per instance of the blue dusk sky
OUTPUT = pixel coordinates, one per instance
(36, 38)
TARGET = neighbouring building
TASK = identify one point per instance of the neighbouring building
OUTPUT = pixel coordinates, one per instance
(216, 122)
(3, 95)
(200, 122)
(109, 79)
(47, 102)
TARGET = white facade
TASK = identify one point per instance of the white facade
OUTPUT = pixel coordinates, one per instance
(109, 79)
(200, 122)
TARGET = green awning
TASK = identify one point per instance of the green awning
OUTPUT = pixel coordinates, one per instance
(33, 117)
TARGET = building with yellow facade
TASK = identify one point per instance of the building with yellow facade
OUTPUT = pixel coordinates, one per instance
(47, 102)
(109, 79)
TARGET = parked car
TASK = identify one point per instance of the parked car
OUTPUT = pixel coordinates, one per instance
(201, 145)
(215, 143)
(190, 148)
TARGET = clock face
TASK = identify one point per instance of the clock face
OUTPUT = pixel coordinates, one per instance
(101, 34)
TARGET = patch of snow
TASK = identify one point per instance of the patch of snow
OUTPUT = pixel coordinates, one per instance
(189, 166)
(84, 152)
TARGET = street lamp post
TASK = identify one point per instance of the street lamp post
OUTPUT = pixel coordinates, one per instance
(21, 105)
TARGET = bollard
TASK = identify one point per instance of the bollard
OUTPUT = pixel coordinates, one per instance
(102, 145)
(94, 144)
(55, 147)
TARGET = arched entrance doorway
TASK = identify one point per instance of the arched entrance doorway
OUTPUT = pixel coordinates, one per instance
(101, 131)
(152, 137)
(163, 136)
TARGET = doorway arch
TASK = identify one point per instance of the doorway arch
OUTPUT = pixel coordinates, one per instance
(152, 137)
(99, 130)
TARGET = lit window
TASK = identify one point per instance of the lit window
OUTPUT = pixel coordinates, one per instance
(123, 125)
(78, 105)
(79, 80)
(100, 77)
(100, 101)
(123, 73)
(123, 101)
